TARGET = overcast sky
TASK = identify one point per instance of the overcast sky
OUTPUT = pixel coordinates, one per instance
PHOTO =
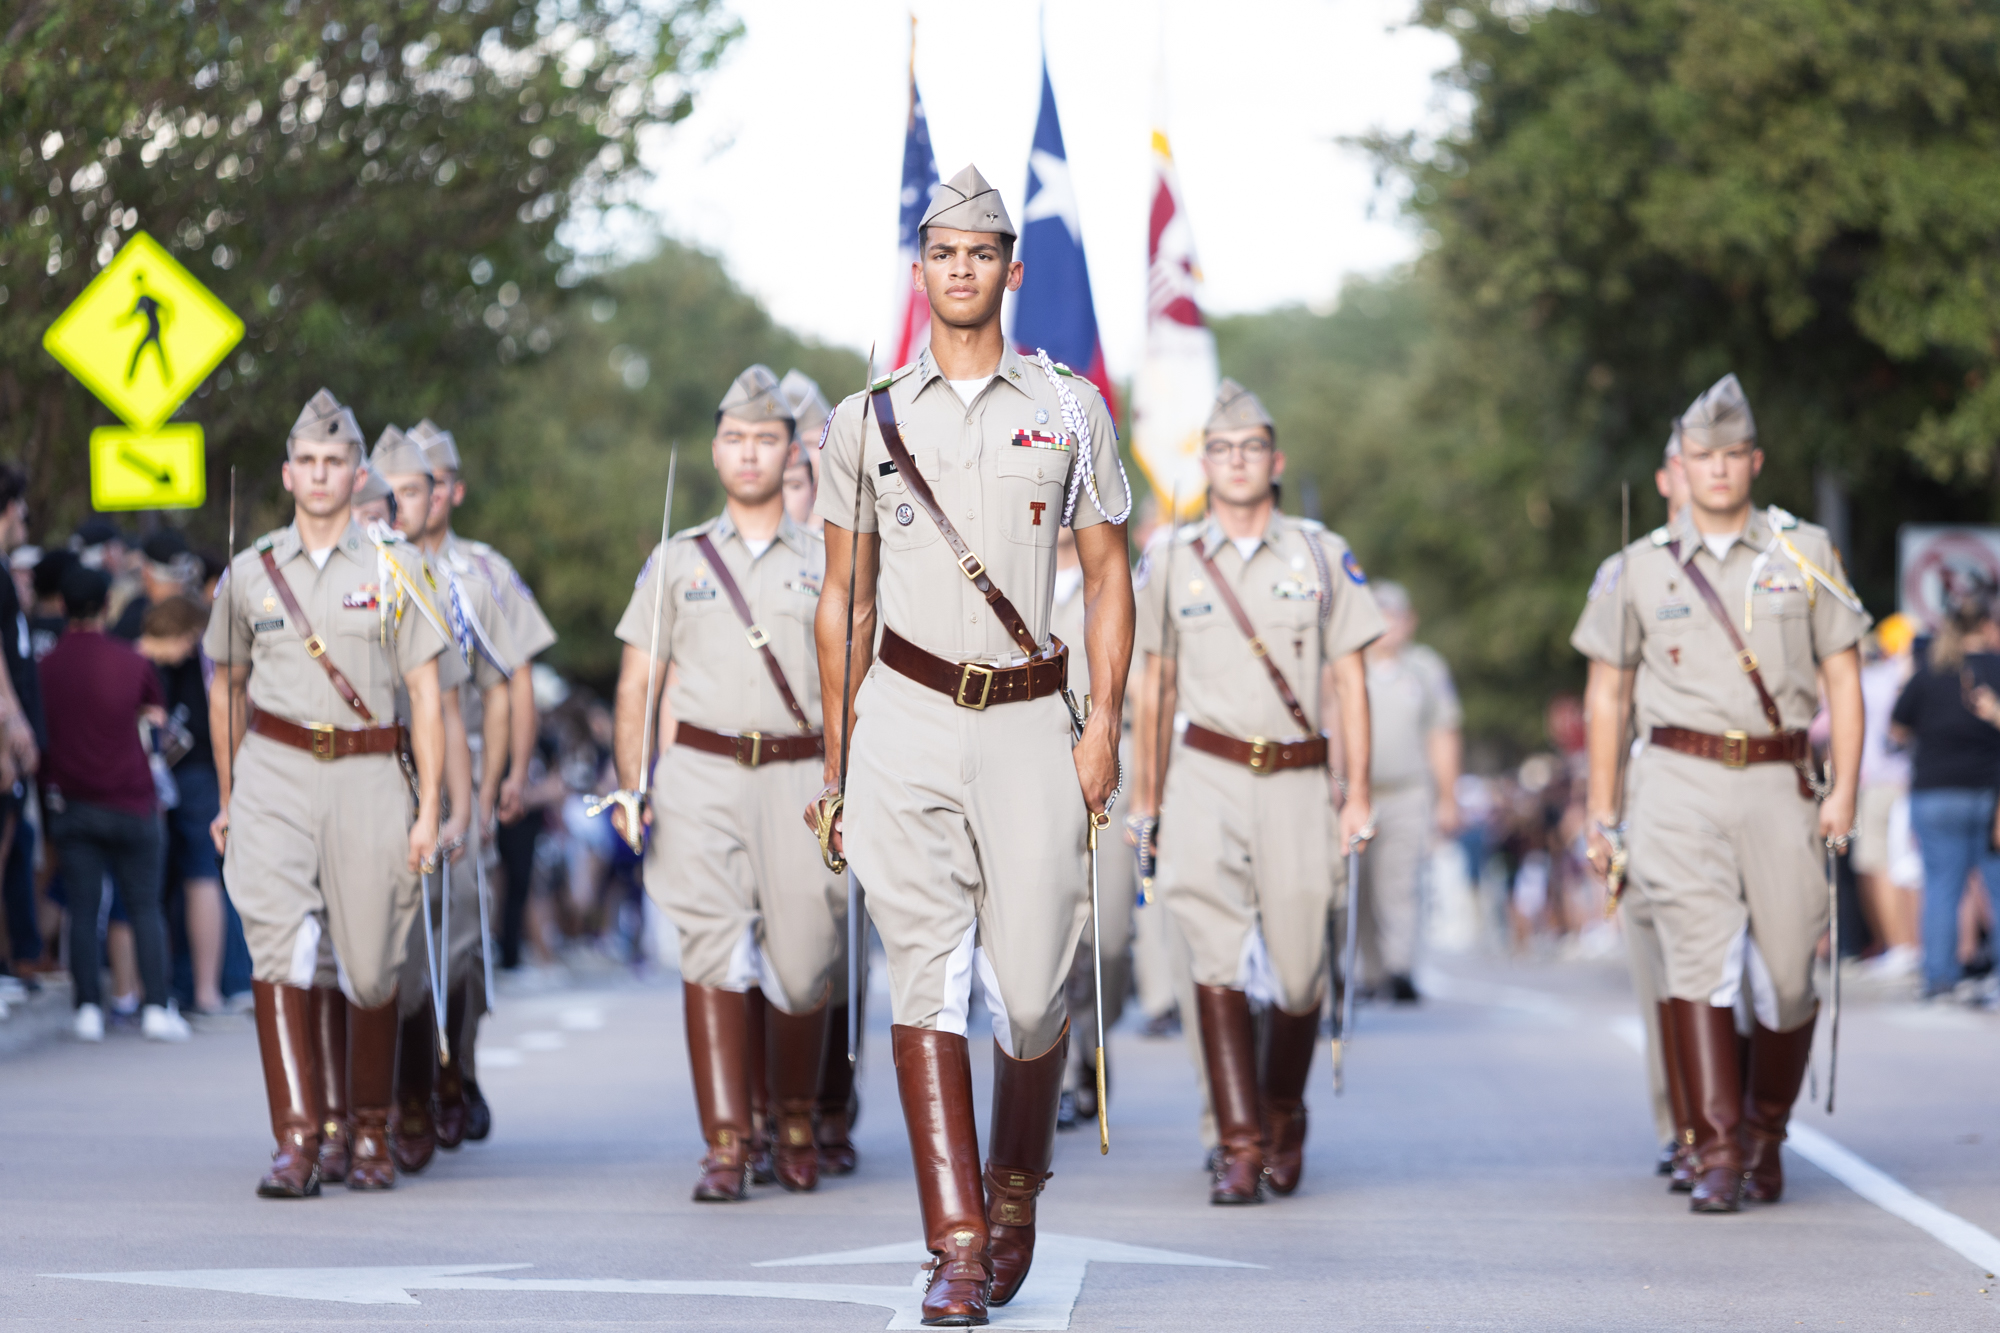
(790, 165)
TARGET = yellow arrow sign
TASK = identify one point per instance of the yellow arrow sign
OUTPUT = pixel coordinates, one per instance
(159, 469)
(143, 334)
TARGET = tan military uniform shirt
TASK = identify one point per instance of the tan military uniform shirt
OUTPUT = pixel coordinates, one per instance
(344, 603)
(1409, 696)
(1000, 469)
(1689, 674)
(722, 683)
(1221, 684)
(528, 630)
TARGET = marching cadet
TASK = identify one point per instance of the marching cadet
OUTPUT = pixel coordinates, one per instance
(1724, 840)
(839, 1104)
(473, 658)
(314, 629)
(504, 624)
(1413, 719)
(750, 897)
(965, 808)
(1250, 849)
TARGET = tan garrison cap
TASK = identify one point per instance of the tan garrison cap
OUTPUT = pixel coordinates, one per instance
(1235, 408)
(373, 487)
(1720, 417)
(396, 454)
(809, 406)
(967, 203)
(438, 444)
(323, 418)
(756, 397)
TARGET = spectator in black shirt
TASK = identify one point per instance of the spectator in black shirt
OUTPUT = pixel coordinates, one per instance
(1954, 774)
(21, 738)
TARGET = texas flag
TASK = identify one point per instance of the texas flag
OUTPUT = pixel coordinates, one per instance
(920, 178)
(1053, 310)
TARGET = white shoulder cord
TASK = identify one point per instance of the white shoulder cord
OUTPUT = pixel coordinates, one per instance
(1086, 469)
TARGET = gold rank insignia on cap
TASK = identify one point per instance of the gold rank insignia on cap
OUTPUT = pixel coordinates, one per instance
(323, 418)
(755, 396)
(1235, 408)
(1720, 417)
(397, 454)
(809, 406)
(440, 446)
(967, 203)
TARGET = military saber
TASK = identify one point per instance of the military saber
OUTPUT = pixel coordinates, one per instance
(432, 967)
(633, 801)
(1350, 953)
(1833, 964)
(1163, 726)
(1615, 868)
(485, 920)
(1099, 821)
(229, 685)
(830, 811)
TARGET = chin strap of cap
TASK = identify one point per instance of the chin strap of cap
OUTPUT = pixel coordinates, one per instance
(1085, 470)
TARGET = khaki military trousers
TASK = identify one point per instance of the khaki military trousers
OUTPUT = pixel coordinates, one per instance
(1649, 988)
(741, 877)
(320, 848)
(1250, 869)
(1391, 874)
(967, 827)
(1731, 865)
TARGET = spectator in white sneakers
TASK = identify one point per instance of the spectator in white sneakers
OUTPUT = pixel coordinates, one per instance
(102, 805)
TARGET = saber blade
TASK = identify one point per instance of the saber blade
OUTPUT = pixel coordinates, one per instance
(1833, 962)
(432, 966)
(1349, 950)
(1098, 823)
(635, 835)
(485, 919)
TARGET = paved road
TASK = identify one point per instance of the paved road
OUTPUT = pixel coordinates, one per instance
(1488, 1168)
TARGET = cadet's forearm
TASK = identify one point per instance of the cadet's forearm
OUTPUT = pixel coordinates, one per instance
(1152, 732)
(495, 738)
(844, 556)
(457, 755)
(1605, 700)
(1847, 714)
(1108, 615)
(1350, 680)
(426, 737)
(630, 709)
(1445, 748)
(220, 716)
(521, 720)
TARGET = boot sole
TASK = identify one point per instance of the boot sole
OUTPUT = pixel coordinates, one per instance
(1714, 1206)
(311, 1190)
(1233, 1200)
(956, 1321)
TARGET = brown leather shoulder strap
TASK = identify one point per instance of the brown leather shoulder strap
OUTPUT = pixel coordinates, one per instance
(1242, 618)
(315, 646)
(1744, 657)
(758, 638)
(969, 564)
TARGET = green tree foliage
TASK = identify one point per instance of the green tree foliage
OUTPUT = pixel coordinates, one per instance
(567, 468)
(373, 185)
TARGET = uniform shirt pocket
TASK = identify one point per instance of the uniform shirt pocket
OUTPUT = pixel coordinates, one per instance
(898, 517)
(1029, 486)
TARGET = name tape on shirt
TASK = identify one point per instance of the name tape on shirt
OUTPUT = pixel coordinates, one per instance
(1040, 439)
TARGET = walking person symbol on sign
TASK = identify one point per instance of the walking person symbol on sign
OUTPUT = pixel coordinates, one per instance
(151, 309)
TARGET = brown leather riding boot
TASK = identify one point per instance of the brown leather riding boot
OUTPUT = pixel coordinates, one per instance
(1229, 1046)
(759, 1057)
(371, 1077)
(934, 1083)
(291, 1083)
(1025, 1093)
(412, 1131)
(449, 1101)
(1682, 1172)
(1712, 1067)
(798, 1045)
(1777, 1067)
(718, 1048)
(833, 1131)
(1289, 1040)
(329, 1011)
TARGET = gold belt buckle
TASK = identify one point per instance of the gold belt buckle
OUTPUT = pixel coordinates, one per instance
(756, 756)
(967, 673)
(1263, 755)
(1735, 749)
(322, 740)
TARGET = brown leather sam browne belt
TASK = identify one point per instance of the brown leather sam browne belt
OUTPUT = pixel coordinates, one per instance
(973, 685)
(1734, 749)
(750, 748)
(323, 741)
(1258, 754)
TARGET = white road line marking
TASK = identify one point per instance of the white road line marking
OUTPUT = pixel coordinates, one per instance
(1045, 1301)
(1872, 1183)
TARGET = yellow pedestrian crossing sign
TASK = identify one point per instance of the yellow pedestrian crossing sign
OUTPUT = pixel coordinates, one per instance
(141, 337)
(157, 469)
